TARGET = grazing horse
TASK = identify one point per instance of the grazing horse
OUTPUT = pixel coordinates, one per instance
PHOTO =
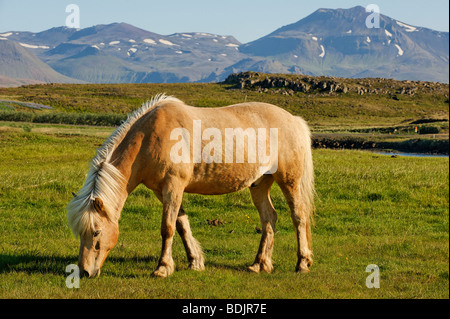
(173, 148)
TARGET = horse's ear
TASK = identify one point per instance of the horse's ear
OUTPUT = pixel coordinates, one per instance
(98, 204)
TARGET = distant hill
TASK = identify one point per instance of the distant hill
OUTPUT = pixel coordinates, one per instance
(330, 42)
(19, 66)
(10, 82)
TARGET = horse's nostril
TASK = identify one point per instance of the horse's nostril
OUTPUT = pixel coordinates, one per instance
(85, 274)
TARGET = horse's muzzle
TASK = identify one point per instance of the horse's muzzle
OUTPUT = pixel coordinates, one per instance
(85, 273)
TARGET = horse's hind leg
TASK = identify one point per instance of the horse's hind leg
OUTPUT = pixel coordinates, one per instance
(268, 217)
(301, 220)
(193, 249)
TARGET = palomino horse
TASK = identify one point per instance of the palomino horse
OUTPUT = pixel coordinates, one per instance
(146, 149)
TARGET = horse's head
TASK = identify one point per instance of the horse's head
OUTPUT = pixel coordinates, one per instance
(96, 243)
(93, 215)
(97, 240)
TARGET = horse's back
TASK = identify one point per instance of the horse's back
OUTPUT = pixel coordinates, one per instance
(244, 115)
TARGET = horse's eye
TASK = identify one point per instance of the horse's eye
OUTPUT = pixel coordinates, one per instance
(96, 233)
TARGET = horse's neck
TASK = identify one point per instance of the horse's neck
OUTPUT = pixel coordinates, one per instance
(124, 158)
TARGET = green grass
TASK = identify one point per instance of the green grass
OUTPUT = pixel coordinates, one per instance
(371, 209)
(320, 110)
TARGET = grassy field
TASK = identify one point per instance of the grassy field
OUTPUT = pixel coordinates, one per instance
(322, 111)
(371, 209)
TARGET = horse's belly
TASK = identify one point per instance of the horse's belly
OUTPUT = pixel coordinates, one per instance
(213, 189)
(222, 180)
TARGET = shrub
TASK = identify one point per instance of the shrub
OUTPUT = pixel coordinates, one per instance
(64, 118)
(429, 130)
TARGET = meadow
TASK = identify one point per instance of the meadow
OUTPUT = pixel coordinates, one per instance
(371, 209)
(322, 111)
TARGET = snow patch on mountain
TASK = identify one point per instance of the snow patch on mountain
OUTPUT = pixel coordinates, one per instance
(400, 50)
(32, 46)
(323, 51)
(166, 42)
(131, 51)
(149, 41)
(407, 27)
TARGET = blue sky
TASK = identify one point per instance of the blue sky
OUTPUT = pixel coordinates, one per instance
(246, 20)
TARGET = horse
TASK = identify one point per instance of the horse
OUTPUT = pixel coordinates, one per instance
(163, 145)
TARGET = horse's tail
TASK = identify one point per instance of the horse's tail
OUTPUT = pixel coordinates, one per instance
(307, 180)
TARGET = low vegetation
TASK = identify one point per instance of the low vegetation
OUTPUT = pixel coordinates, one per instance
(322, 109)
(110, 119)
(371, 209)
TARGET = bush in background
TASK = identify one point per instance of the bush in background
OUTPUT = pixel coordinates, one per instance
(64, 118)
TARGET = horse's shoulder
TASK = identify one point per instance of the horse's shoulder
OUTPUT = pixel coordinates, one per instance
(168, 114)
(171, 107)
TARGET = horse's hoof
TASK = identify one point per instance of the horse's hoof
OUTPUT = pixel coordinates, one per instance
(261, 267)
(163, 272)
(197, 266)
(254, 268)
(302, 270)
(303, 265)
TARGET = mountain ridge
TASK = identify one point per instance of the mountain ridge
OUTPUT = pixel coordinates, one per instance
(329, 42)
(337, 42)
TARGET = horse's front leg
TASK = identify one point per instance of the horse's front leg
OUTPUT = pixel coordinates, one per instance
(191, 245)
(172, 196)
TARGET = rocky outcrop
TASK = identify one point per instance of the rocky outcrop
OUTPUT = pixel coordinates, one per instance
(289, 84)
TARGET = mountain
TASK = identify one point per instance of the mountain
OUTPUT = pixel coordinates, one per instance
(120, 52)
(19, 66)
(333, 42)
(338, 43)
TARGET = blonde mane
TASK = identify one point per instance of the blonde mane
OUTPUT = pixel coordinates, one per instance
(104, 180)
